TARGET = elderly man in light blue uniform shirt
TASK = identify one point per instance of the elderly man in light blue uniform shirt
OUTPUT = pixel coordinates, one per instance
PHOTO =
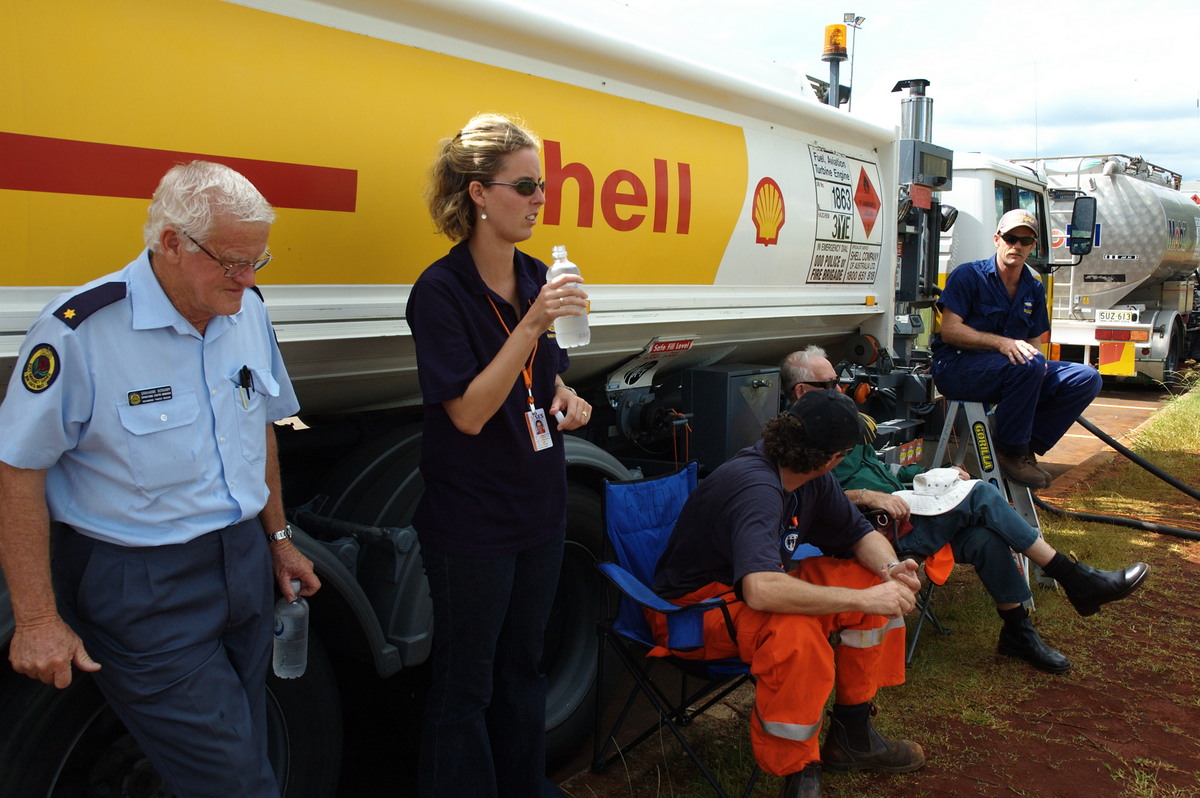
(139, 422)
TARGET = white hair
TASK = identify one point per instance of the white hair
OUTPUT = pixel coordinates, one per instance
(796, 368)
(191, 196)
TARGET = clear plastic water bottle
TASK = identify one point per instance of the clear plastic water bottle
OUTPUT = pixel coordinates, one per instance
(290, 656)
(569, 331)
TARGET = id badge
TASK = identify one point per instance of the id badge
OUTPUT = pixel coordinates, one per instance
(539, 430)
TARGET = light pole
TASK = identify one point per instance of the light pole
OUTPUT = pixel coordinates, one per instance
(854, 22)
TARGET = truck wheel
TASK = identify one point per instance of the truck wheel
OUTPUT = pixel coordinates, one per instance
(380, 485)
(1174, 355)
(68, 743)
(571, 639)
(304, 728)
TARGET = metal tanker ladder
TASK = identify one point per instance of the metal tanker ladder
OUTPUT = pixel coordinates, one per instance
(968, 424)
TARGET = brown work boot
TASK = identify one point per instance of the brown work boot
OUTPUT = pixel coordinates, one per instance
(803, 783)
(853, 743)
(1033, 459)
(1024, 469)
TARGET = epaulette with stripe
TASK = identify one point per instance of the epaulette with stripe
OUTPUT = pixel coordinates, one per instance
(79, 307)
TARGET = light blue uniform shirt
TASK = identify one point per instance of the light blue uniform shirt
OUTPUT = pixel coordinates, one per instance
(139, 420)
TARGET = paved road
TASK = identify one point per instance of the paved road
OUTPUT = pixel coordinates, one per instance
(1118, 411)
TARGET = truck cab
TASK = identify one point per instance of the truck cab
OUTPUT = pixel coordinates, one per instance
(985, 188)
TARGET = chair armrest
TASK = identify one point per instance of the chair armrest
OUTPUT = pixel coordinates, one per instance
(634, 588)
(685, 623)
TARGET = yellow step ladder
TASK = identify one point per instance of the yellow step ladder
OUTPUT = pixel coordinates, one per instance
(970, 425)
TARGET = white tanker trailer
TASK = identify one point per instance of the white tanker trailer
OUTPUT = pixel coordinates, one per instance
(1128, 307)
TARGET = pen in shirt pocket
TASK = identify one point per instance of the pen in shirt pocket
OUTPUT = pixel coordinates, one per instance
(247, 383)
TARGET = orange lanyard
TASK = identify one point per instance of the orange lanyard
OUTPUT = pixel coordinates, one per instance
(527, 372)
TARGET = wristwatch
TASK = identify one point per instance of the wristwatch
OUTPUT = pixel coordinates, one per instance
(283, 534)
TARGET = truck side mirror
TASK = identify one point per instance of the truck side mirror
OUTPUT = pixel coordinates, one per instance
(1083, 222)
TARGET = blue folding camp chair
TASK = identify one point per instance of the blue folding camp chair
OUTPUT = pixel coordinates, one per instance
(639, 516)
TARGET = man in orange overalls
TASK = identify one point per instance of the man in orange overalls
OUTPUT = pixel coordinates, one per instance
(822, 625)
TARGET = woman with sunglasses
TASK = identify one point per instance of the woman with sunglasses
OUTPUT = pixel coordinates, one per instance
(492, 519)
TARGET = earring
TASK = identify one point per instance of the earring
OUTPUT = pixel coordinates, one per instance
(483, 215)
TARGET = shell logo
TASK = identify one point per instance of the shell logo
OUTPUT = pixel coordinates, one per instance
(768, 212)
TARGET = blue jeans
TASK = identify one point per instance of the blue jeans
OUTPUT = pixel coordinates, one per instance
(983, 530)
(1036, 402)
(485, 718)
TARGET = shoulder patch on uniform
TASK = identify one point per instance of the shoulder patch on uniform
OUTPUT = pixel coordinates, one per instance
(79, 307)
(41, 368)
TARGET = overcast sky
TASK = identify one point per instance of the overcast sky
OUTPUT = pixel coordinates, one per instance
(1071, 77)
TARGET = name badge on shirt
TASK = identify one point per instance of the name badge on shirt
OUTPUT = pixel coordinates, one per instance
(147, 395)
(539, 431)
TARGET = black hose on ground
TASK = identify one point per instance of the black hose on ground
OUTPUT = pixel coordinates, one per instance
(1117, 520)
(1153, 469)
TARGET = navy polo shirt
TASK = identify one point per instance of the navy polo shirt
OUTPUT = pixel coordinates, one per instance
(976, 293)
(733, 522)
(489, 494)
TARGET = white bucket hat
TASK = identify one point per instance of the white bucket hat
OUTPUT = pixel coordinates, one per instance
(936, 491)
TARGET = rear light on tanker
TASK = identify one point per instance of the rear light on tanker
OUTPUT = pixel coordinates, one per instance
(1122, 335)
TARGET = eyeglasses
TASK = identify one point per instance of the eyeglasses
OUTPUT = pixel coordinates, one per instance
(1012, 240)
(234, 268)
(826, 384)
(843, 452)
(523, 187)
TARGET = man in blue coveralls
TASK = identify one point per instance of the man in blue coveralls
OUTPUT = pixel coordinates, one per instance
(139, 424)
(993, 315)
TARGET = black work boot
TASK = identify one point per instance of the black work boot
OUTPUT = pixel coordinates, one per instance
(1087, 588)
(853, 743)
(1019, 639)
(803, 783)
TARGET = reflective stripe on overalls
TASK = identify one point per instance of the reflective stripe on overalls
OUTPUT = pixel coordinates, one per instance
(794, 665)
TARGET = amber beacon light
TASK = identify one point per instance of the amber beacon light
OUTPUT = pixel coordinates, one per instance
(835, 43)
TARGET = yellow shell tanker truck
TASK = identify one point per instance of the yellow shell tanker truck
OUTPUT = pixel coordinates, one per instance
(720, 222)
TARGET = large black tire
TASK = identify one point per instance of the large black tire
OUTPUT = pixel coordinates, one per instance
(69, 743)
(571, 639)
(380, 484)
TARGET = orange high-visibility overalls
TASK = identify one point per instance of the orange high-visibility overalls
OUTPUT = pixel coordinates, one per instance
(794, 664)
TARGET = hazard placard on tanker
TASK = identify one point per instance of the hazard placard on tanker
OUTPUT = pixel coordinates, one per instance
(845, 251)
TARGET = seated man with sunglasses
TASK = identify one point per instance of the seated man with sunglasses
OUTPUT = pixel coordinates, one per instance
(993, 315)
(980, 525)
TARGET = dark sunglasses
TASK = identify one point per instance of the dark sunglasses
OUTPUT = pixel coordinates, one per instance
(827, 384)
(1012, 240)
(523, 187)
